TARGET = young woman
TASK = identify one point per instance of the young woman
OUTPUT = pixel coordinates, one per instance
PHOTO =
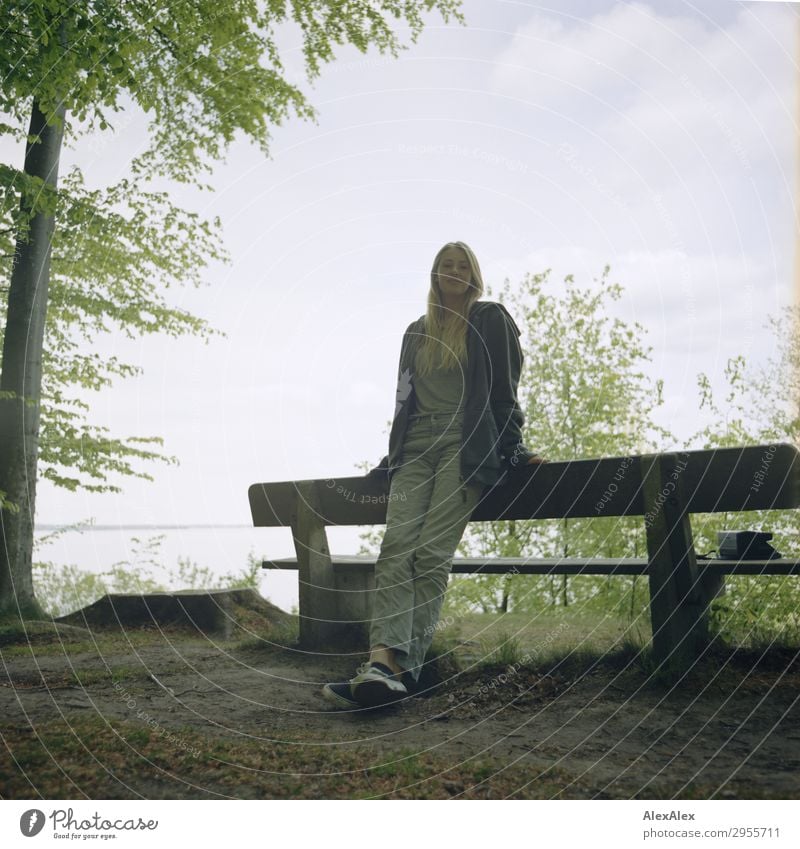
(456, 430)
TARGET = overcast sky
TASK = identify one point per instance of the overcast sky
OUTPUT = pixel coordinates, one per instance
(657, 137)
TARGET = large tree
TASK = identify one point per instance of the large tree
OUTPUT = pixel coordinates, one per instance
(203, 70)
(115, 256)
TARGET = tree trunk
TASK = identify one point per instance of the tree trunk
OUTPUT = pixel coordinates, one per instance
(512, 533)
(566, 554)
(22, 377)
(504, 598)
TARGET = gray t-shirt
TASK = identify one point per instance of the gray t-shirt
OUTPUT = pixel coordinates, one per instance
(441, 391)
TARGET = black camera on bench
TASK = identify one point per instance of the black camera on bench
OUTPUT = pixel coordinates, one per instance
(745, 545)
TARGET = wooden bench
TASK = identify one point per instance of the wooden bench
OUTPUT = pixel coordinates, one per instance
(336, 592)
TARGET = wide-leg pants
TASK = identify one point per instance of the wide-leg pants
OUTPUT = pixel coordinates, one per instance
(427, 513)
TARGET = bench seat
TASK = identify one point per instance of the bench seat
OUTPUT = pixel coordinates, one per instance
(563, 566)
(664, 489)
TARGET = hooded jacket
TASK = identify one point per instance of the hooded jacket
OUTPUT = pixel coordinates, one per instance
(492, 421)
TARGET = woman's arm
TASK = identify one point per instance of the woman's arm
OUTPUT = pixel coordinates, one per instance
(381, 469)
(502, 341)
(402, 392)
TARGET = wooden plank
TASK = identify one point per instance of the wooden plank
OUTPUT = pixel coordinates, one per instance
(678, 611)
(316, 592)
(333, 610)
(493, 566)
(754, 477)
(776, 566)
(349, 501)
(562, 566)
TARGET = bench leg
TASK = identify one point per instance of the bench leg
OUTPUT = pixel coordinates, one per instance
(713, 585)
(678, 602)
(329, 614)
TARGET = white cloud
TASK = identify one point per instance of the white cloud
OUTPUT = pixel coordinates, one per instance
(645, 82)
(623, 45)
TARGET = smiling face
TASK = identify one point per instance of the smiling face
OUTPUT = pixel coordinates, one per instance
(454, 273)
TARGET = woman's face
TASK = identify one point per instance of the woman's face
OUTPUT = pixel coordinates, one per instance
(454, 273)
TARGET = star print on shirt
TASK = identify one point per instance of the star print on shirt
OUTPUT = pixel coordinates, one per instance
(403, 390)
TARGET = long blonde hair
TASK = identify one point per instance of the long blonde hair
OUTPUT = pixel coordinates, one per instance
(444, 344)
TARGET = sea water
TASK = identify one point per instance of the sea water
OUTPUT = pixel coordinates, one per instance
(155, 551)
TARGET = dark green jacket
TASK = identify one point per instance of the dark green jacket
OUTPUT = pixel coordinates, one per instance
(492, 443)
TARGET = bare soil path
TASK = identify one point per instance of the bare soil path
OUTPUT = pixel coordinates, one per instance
(172, 715)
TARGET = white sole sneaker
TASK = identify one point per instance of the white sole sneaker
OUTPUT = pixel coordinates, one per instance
(340, 696)
(375, 685)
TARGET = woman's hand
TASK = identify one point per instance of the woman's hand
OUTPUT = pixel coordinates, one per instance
(536, 460)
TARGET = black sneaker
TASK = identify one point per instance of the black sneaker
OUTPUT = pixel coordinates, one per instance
(375, 684)
(340, 695)
(412, 686)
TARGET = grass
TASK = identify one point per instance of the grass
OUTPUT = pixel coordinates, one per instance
(504, 650)
(571, 642)
(130, 761)
(546, 630)
(44, 639)
(284, 635)
(541, 641)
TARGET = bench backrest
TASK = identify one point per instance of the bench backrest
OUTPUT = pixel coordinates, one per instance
(753, 477)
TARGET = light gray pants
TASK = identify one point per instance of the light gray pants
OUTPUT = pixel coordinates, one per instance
(423, 529)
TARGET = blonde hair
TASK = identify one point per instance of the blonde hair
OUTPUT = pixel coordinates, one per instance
(444, 344)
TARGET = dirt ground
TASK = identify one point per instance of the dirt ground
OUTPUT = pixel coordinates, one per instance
(583, 728)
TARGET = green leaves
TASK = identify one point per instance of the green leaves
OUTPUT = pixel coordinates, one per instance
(760, 407)
(116, 253)
(203, 70)
(584, 380)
